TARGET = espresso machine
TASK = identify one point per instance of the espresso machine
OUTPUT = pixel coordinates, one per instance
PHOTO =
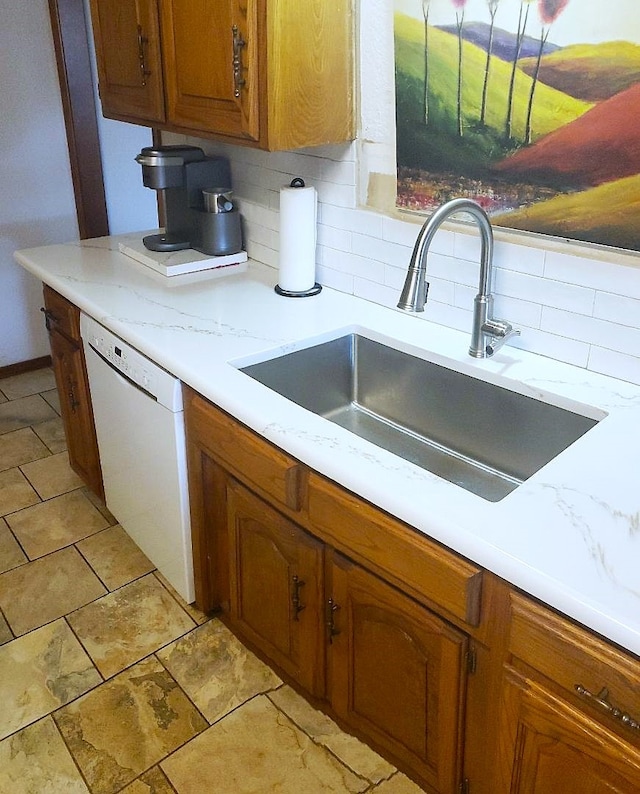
(199, 213)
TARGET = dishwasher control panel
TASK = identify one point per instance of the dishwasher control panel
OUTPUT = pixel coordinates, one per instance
(135, 366)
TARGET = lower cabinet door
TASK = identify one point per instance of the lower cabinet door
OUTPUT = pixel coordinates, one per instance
(397, 674)
(276, 576)
(548, 746)
(77, 415)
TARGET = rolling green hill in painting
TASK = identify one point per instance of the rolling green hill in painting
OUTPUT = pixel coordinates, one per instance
(592, 72)
(436, 145)
(605, 214)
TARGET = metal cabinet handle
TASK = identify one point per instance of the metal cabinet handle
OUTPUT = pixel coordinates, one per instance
(238, 44)
(73, 403)
(295, 597)
(142, 41)
(332, 608)
(601, 700)
(50, 320)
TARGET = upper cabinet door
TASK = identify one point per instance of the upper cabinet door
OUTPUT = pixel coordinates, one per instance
(127, 39)
(210, 50)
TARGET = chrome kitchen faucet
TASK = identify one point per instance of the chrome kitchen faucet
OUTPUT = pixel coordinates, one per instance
(488, 334)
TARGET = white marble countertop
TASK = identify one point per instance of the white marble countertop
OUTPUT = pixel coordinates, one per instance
(569, 535)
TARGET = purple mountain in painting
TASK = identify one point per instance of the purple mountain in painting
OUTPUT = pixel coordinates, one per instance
(504, 42)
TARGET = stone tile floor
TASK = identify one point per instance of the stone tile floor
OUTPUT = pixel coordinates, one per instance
(109, 682)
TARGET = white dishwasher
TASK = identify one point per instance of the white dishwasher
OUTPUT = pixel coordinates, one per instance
(139, 418)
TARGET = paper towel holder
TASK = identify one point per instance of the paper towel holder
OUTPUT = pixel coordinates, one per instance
(287, 293)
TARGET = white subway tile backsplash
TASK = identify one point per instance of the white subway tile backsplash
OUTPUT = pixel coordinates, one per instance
(596, 332)
(262, 253)
(451, 269)
(355, 265)
(376, 293)
(338, 195)
(544, 291)
(334, 238)
(343, 173)
(520, 258)
(555, 346)
(518, 312)
(351, 219)
(467, 245)
(594, 273)
(336, 279)
(617, 308)
(617, 365)
(379, 250)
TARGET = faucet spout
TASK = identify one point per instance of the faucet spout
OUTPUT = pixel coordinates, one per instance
(416, 287)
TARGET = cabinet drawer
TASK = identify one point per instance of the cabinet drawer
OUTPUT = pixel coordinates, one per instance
(415, 563)
(248, 457)
(578, 661)
(61, 315)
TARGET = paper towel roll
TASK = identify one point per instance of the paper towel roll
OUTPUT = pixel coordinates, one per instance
(298, 213)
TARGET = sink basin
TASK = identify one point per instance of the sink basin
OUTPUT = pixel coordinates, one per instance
(480, 436)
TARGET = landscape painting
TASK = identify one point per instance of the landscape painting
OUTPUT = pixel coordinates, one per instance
(530, 107)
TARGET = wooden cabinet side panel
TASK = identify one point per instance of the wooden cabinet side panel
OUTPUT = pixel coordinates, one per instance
(209, 537)
(310, 72)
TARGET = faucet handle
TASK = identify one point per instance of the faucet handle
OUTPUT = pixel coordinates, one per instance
(500, 331)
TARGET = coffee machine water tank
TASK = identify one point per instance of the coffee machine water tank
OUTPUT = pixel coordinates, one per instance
(182, 173)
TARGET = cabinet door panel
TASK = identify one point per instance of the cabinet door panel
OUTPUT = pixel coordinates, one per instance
(198, 50)
(127, 38)
(75, 406)
(397, 674)
(548, 747)
(276, 586)
(67, 357)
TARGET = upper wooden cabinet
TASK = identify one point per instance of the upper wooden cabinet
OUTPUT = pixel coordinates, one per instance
(275, 74)
(127, 38)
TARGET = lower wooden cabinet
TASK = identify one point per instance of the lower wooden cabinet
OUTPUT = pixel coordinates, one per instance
(276, 594)
(67, 356)
(398, 673)
(550, 746)
(461, 681)
(567, 709)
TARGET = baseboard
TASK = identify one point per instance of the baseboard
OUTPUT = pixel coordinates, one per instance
(25, 366)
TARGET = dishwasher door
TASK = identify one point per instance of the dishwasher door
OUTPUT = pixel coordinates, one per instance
(143, 455)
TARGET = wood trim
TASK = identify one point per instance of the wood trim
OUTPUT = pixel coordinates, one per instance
(25, 366)
(73, 57)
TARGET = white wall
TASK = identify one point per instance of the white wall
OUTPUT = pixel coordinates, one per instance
(36, 194)
(575, 303)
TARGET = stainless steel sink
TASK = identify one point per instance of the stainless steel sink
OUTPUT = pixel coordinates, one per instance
(483, 437)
